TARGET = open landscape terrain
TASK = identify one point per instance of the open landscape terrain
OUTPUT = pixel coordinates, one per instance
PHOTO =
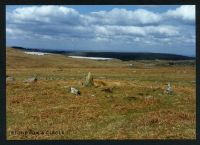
(127, 101)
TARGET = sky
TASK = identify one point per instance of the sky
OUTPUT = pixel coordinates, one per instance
(113, 28)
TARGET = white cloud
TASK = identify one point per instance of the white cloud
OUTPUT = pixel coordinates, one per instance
(102, 24)
(112, 27)
(48, 14)
(184, 12)
(163, 30)
(134, 31)
(124, 17)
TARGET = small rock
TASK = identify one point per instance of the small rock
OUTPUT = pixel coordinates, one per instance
(31, 80)
(193, 81)
(109, 97)
(149, 97)
(9, 79)
(130, 65)
(75, 91)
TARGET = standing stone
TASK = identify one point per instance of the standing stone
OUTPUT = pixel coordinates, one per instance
(32, 79)
(169, 89)
(89, 80)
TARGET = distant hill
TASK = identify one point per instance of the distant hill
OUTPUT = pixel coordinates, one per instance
(125, 56)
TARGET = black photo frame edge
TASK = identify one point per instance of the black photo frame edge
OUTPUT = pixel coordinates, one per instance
(92, 2)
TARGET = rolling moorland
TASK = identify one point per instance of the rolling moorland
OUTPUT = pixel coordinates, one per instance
(136, 107)
(125, 56)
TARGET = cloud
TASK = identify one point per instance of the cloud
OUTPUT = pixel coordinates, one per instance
(71, 23)
(185, 13)
(136, 31)
(125, 17)
(44, 14)
(114, 28)
(163, 31)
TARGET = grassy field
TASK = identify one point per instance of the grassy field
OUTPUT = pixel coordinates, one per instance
(137, 107)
